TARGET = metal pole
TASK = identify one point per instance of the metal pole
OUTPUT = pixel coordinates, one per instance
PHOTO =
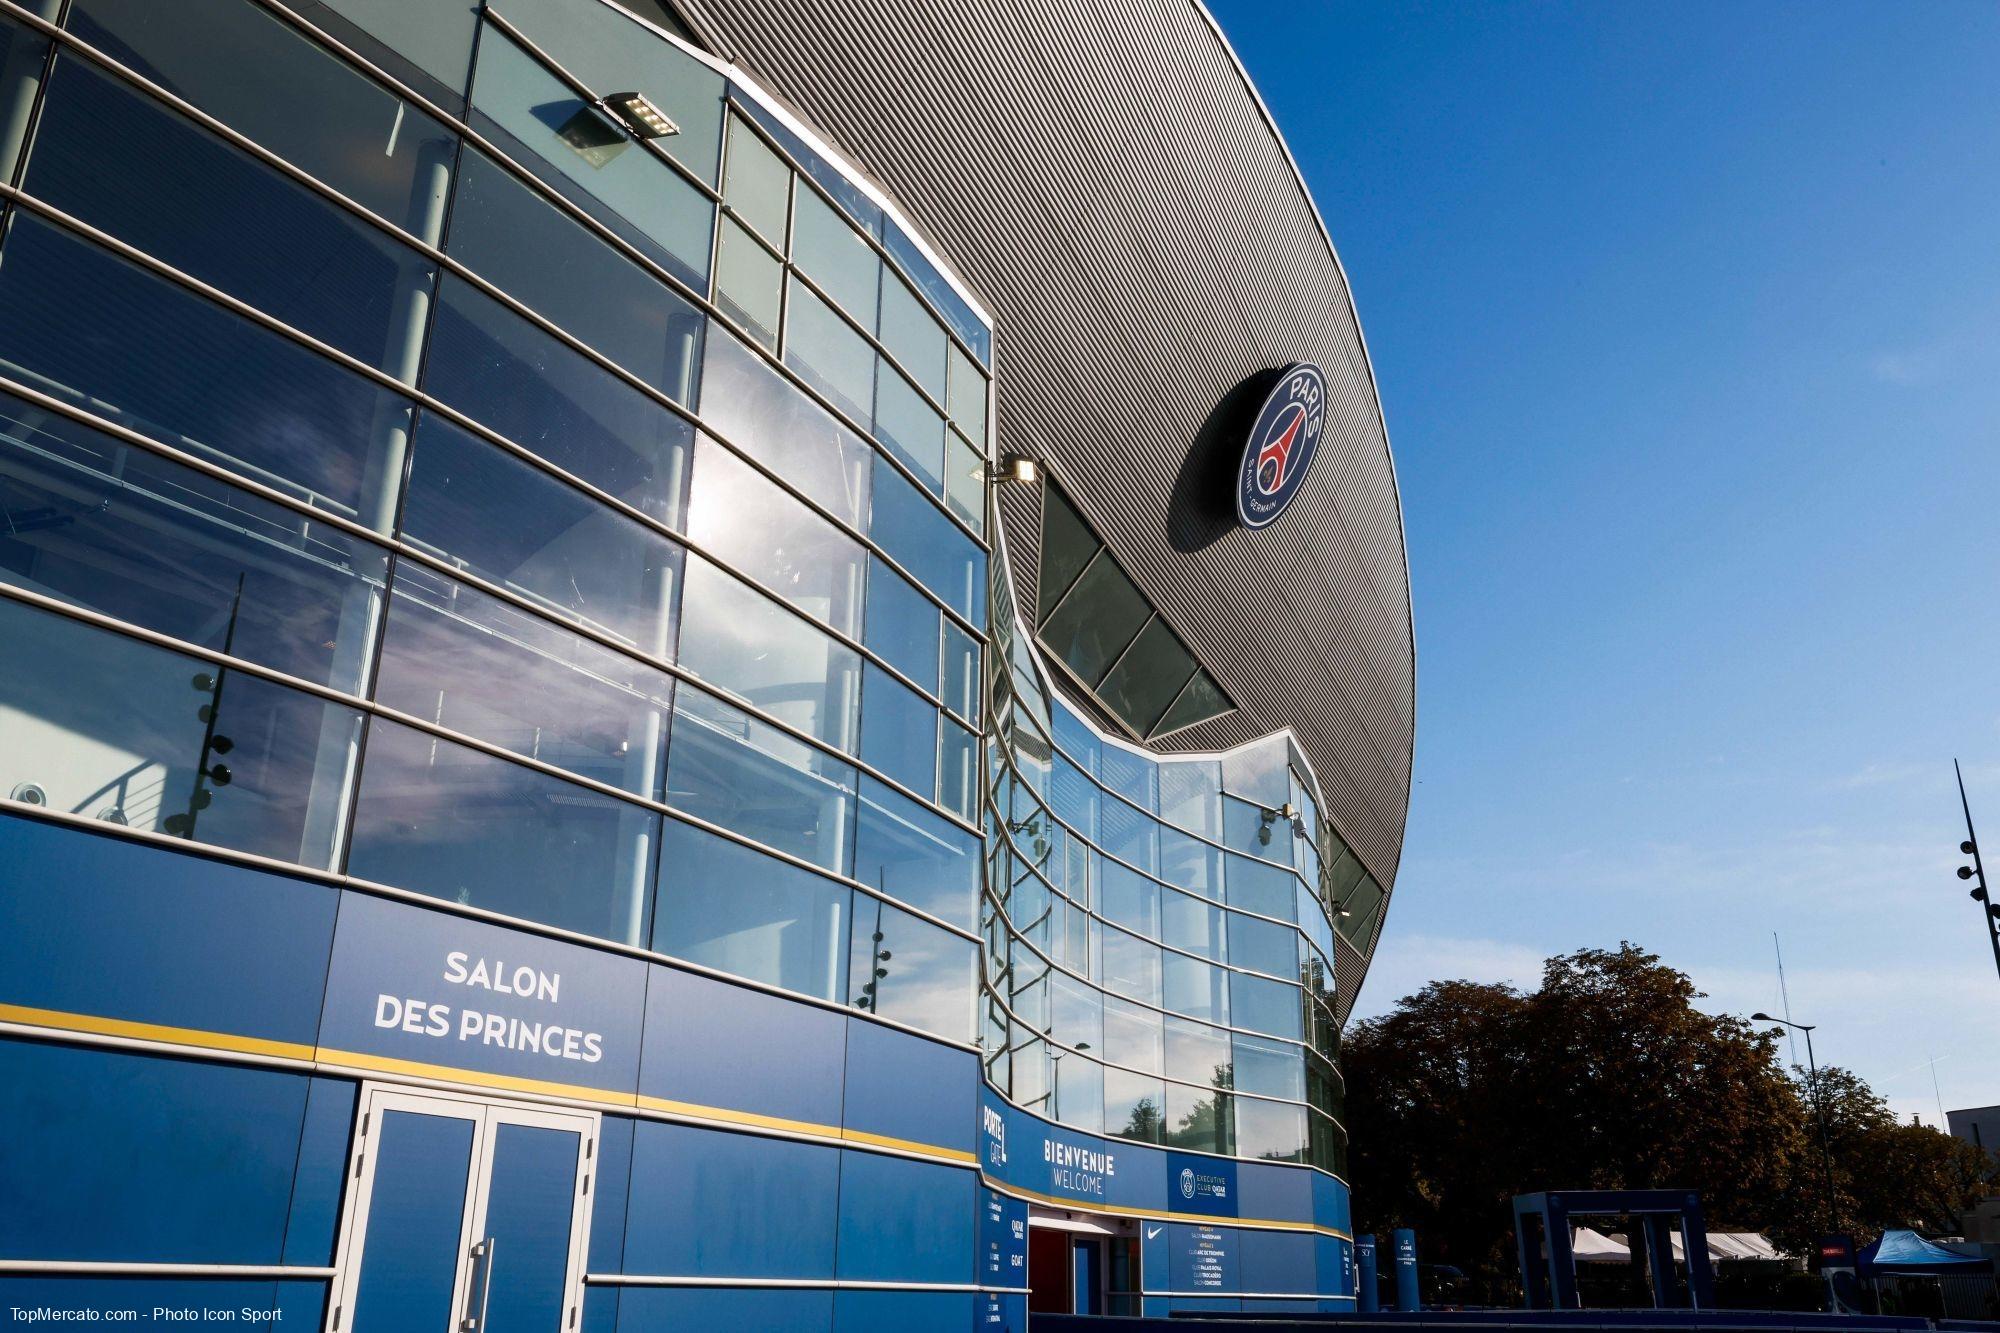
(1819, 1110)
(1978, 869)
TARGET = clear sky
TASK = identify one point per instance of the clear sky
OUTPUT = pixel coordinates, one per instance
(1687, 324)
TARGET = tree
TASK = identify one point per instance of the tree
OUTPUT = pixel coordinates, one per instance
(1609, 1077)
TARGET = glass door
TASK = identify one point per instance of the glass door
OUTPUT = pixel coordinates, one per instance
(465, 1216)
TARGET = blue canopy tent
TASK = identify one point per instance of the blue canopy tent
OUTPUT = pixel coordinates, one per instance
(1906, 1254)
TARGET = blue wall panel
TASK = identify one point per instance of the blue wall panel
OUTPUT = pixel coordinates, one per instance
(115, 1156)
(1276, 1261)
(741, 1310)
(94, 924)
(613, 1189)
(322, 1172)
(909, 1088)
(714, 1044)
(1275, 1193)
(903, 1311)
(904, 1220)
(715, 1204)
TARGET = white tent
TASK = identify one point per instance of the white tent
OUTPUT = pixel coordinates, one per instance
(1594, 1247)
(1722, 1245)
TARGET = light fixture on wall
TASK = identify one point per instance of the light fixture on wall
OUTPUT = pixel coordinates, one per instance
(641, 115)
(1017, 468)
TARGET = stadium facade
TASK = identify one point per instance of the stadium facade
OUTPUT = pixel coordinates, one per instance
(741, 664)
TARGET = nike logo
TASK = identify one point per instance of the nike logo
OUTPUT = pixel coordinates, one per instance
(1151, 1232)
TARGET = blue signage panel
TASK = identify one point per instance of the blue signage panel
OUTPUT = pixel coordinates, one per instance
(1407, 1297)
(1198, 1184)
(1283, 438)
(1024, 1150)
(1367, 1289)
(1003, 1240)
(1201, 1258)
(412, 984)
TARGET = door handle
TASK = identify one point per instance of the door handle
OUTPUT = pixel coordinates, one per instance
(481, 1287)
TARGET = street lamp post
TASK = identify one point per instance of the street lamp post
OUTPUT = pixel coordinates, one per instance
(1988, 911)
(1819, 1107)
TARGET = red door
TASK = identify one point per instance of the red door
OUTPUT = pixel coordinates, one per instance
(1048, 1271)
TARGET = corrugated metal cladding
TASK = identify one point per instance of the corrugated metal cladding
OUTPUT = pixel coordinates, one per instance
(1103, 177)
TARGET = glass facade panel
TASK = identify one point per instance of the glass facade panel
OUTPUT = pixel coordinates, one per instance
(1269, 1068)
(898, 731)
(96, 724)
(761, 413)
(902, 624)
(1128, 898)
(468, 661)
(1134, 1106)
(1077, 1098)
(1129, 834)
(1194, 988)
(1193, 925)
(827, 353)
(1201, 700)
(525, 385)
(917, 535)
(912, 855)
(185, 197)
(1147, 677)
(256, 74)
(731, 908)
(1131, 966)
(959, 688)
(965, 482)
(835, 256)
(1256, 887)
(749, 283)
(461, 825)
(1266, 1006)
(1199, 1118)
(757, 184)
(909, 970)
(967, 401)
(283, 416)
(909, 427)
(1263, 946)
(559, 548)
(508, 233)
(1271, 1131)
(1189, 863)
(754, 648)
(578, 150)
(730, 769)
(1132, 1035)
(1191, 797)
(100, 524)
(914, 337)
(749, 521)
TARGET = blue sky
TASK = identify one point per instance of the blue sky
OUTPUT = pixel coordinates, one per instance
(1687, 324)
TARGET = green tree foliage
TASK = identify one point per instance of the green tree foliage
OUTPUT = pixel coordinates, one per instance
(1609, 1077)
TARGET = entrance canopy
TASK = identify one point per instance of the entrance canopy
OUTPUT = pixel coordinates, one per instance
(1905, 1253)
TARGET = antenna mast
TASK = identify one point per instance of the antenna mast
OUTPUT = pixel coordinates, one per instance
(1785, 997)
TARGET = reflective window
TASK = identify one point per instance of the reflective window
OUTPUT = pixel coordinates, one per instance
(918, 536)
(730, 769)
(466, 827)
(1266, 1006)
(967, 398)
(827, 353)
(22, 55)
(1076, 1014)
(455, 656)
(512, 236)
(559, 548)
(734, 909)
(1271, 1131)
(610, 53)
(1134, 1106)
(960, 686)
(835, 256)
(1131, 966)
(757, 184)
(749, 283)
(1263, 946)
(910, 854)
(100, 725)
(902, 624)
(908, 427)
(422, 44)
(144, 353)
(965, 482)
(1128, 898)
(1358, 911)
(914, 337)
(1068, 547)
(1197, 989)
(904, 968)
(766, 416)
(1197, 1053)
(1201, 700)
(255, 73)
(958, 770)
(1199, 1118)
(749, 521)
(1191, 796)
(1077, 740)
(753, 647)
(1129, 834)
(1269, 1068)
(1190, 863)
(185, 197)
(1192, 924)
(1077, 1097)
(1075, 798)
(579, 150)
(555, 402)
(898, 731)
(103, 525)
(1096, 620)
(1256, 887)
(1148, 677)
(1131, 1035)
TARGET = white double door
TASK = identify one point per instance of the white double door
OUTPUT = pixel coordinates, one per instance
(463, 1215)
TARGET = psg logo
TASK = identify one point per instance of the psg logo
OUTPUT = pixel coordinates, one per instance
(1283, 439)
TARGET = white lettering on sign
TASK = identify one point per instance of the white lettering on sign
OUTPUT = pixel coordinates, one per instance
(1079, 1170)
(428, 1018)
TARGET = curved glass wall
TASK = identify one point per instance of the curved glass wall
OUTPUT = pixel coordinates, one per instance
(432, 480)
(1158, 932)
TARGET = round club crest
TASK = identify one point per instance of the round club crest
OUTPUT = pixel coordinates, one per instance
(1284, 436)
(1187, 1183)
